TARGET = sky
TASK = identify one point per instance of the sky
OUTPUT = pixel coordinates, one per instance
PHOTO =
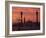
(28, 12)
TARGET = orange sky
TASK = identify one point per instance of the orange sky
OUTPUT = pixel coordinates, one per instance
(28, 12)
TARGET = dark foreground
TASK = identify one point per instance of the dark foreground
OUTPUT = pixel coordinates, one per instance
(26, 26)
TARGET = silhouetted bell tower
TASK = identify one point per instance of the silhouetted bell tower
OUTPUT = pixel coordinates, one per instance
(21, 16)
(37, 16)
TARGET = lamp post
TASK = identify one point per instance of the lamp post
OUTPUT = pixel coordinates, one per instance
(24, 20)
